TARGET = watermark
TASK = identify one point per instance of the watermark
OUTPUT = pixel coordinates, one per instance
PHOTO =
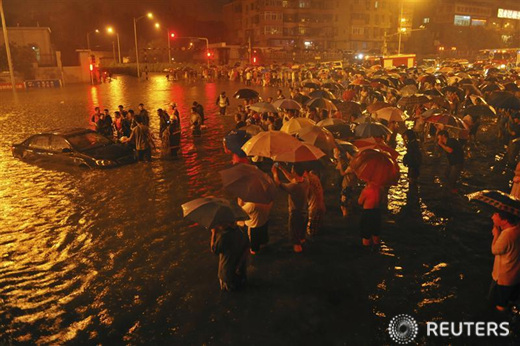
(403, 329)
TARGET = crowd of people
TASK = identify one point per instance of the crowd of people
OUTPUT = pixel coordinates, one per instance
(440, 111)
(433, 111)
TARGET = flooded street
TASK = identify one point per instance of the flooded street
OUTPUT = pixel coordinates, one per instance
(104, 256)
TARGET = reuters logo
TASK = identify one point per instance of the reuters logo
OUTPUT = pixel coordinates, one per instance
(403, 329)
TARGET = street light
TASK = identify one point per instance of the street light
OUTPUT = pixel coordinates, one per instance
(207, 45)
(88, 37)
(170, 36)
(110, 30)
(150, 16)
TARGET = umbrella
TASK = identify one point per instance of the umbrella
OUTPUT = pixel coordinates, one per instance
(471, 88)
(490, 87)
(348, 147)
(507, 102)
(446, 119)
(318, 136)
(511, 87)
(480, 111)
(408, 90)
(452, 89)
(211, 211)
(330, 121)
(234, 141)
(252, 129)
(375, 143)
(301, 99)
(321, 103)
(322, 94)
(333, 86)
(287, 104)
(296, 124)
(383, 81)
(348, 95)
(360, 82)
(248, 183)
(498, 200)
(311, 83)
(375, 166)
(433, 92)
(349, 108)
(303, 153)
(374, 107)
(390, 114)
(371, 129)
(263, 107)
(431, 79)
(270, 143)
(413, 100)
(431, 112)
(340, 130)
(246, 94)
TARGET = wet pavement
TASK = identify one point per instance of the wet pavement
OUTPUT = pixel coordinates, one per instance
(104, 256)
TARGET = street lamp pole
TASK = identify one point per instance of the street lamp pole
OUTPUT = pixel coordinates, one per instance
(207, 48)
(7, 48)
(118, 48)
(136, 49)
(169, 47)
(149, 15)
(400, 28)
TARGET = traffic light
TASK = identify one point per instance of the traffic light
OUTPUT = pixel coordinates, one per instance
(91, 67)
(208, 54)
(172, 35)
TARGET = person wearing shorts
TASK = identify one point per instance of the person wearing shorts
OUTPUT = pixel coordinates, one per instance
(370, 222)
(506, 268)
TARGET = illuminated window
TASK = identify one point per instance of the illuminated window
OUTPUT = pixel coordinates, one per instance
(478, 22)
(462, 20)
(426, 20)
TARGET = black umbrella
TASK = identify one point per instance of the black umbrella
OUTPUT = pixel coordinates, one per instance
(381, 81)
(211, 211)
(340, 131)
(406, 101)
(490, 87)
(234, 141)
(511, 87)
(480, 111)
(508, 102)
(322, 94)
(433, 92)
(497, 200)
(451, 88)
(301, 99)
(246, 94)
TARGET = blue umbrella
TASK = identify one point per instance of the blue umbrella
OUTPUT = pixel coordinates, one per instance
(371, 129)
(234, 141)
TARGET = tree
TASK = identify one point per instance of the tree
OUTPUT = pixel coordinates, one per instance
(23, 58)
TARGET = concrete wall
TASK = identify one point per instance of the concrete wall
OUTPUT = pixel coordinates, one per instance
(37, 37)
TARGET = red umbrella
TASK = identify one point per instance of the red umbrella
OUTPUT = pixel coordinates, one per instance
(349, 95)
(446, 119)
(375, 143)
(375, 166)
(374, 107)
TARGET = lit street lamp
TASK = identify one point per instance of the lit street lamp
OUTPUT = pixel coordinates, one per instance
(110, 30)
(149, 15)
(88, 37)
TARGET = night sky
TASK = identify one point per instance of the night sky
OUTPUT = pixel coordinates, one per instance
(70, 20)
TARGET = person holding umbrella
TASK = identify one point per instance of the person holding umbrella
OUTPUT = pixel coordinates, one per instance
(413, 157)
(227, 240)
(297, 190)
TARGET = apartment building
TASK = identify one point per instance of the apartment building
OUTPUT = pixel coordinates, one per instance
(306, 24)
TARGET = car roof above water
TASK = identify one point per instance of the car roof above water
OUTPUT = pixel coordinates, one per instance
(67, 132)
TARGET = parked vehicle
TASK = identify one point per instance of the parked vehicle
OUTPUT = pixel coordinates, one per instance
(78, 146)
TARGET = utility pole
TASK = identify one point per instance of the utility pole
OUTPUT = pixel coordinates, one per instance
(7, 48)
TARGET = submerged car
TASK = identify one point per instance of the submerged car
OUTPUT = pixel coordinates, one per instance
(80, 147)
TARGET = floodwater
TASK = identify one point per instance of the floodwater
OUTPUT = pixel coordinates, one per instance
(104, 256)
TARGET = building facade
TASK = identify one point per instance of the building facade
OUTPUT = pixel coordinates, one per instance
(37, 38)
(305, 24)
